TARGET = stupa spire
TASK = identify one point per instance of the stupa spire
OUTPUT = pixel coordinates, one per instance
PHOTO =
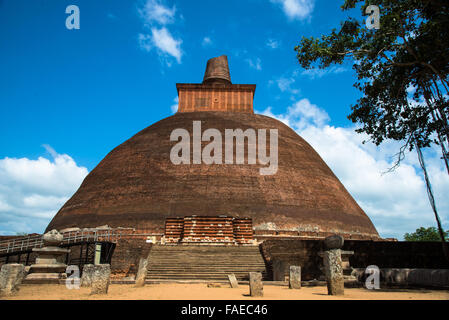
(216, 92)
(217, 71)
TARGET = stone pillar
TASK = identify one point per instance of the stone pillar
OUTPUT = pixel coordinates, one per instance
(11, 276)
(295, 277)
(233, 281)
(87, 275)
(333, 269)
(255, 284)
(142, 272)
(100, 279)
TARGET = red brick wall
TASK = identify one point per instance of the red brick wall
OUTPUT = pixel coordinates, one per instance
(233, 98)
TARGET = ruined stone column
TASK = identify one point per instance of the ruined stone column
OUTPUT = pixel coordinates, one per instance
(255, 284)
(11, 276)
(100, 279)
(141, 272)
(87, 275)
(333, 269)
(233, 281)
(294, 281)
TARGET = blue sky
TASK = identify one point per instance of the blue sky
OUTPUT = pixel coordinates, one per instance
(68, 97)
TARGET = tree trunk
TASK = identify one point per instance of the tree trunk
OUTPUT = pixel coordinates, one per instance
(432, 201)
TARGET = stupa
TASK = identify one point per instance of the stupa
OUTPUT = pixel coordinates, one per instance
(137, 185)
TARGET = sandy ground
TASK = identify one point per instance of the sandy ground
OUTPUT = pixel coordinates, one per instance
(202, 292)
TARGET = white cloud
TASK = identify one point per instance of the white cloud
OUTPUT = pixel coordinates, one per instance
(145, 42)
(396, 202)
(285, 85)
(319, 73)
(163, 41)
(32, 191)
(174, 107)
(273, 44)
(206, 42)
(296, 9)
(255, 64)
(155, 12)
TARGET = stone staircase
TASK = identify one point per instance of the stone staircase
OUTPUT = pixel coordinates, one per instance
(203, 262)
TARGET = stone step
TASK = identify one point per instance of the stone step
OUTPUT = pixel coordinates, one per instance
(218, 258)
(187, 247)
(189, 262)
(206, 259)
(224, 278)
(173, 270)
(214, 264)
(207, 256)
(221, 252)
(180, 264)
(197, 276)
(205, 251)
(204, 263)
(209, 272)
(210, 257)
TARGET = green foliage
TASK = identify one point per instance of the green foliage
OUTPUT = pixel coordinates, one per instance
(425, 234)
(411, 49)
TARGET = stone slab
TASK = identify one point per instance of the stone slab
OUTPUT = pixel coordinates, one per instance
(233, 281)
(11, 276)
(101, 279)
(255, 284)
(87, 275)
(45, 278)
(294, 280)
(142, 272)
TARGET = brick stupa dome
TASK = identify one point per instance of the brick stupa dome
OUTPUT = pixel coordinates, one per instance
(136, 185)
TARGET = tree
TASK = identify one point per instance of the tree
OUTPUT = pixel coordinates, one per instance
(410, 52)
(425, 234)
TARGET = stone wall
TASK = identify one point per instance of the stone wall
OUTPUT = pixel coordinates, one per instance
(384, 254)
(125, 260)
(303, 253)
(401, 254)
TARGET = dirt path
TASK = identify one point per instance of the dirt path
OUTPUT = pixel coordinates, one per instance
(201, 292)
